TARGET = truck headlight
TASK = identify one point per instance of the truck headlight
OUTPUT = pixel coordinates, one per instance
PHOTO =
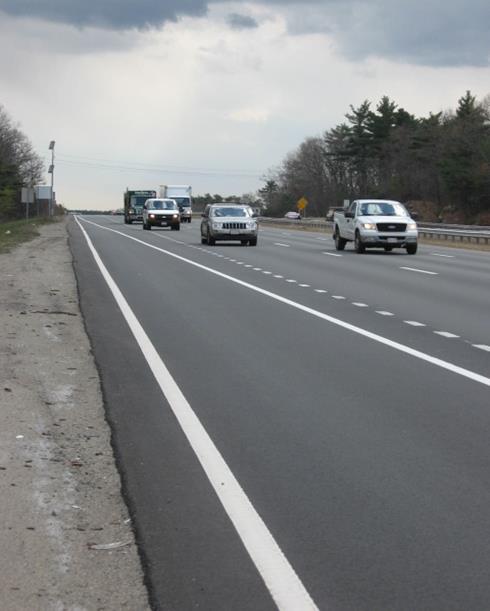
(175, 216)
(152, 216)
(412, 226)
(369, 225)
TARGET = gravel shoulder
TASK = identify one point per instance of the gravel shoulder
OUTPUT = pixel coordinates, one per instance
(66, 536)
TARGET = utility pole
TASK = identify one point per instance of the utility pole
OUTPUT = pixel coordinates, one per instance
(51, 171)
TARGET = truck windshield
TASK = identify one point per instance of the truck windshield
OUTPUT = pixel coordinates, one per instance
(382, 209)
(182, 201)
(138, 201)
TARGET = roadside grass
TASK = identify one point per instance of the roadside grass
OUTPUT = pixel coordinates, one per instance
(14, 233)
(429, 241)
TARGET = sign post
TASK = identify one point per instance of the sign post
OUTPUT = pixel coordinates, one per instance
(301, 205)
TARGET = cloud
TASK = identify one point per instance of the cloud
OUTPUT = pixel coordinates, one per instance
(106, 14)
(421, 32)
(241, 22)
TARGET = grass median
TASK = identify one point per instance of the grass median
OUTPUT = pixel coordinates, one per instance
(13, 233)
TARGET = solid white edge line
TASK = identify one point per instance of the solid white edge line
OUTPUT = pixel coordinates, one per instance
(466, 373)
(279, 576)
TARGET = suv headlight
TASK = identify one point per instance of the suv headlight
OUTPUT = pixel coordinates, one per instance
(369, 225)
(251, 225)
(217, 225)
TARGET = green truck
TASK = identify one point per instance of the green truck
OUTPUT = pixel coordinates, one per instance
(133, 204)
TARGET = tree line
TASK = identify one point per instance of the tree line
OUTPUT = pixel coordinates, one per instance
(20, 166)
(440, 162)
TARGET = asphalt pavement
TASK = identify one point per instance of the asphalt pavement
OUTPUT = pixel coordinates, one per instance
(348, 395)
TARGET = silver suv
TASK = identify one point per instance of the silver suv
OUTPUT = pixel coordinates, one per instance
(229, 221)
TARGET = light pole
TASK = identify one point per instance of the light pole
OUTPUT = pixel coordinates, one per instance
(51, 171)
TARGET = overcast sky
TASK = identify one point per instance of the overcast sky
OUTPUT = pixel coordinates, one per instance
(213, 94)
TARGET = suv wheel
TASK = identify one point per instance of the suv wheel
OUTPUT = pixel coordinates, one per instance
(211, 241)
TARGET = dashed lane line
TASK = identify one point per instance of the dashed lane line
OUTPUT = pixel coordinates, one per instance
(446, 334)
(442, 364)
(419, 271)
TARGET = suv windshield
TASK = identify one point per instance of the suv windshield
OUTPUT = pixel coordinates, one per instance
(230, 211)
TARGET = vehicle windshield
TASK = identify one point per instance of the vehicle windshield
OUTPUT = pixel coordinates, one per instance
(382, 209)
(162, 205)
(231, 211)
(182, 201)
(137, 202)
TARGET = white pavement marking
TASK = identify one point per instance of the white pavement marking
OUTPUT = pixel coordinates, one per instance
(384, 313)
(248, 265)
(420, 271)
(304, 285)
(481, 347)
(360, 305)
(257, 269)
(436, 254)
(291, 281)
(337, 297)
(279, 576)
(331, 254)
(437, 362)
(446, 334)
(320, 291)
(283, 245)
(267, 273)
(278, 276)
(414, 323)
(321, 239)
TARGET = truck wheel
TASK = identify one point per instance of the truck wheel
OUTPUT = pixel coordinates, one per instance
(339, 242)
(144, 225)
(358, 245)
(148, 226)
(411, 249)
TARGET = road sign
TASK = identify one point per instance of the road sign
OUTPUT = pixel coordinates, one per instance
(302, 203)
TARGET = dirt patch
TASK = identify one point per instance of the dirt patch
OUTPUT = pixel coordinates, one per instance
(66, 536)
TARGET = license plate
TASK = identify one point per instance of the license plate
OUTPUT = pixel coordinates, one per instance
(392, 240)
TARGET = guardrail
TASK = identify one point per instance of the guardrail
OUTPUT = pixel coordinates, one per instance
(451, 233)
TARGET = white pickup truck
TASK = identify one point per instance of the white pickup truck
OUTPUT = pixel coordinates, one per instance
(375, 223)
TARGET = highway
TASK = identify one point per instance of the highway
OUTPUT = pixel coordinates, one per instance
(296, 427)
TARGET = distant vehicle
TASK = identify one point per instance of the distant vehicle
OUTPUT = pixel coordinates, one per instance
(332, 211)
(133, 204)
(371, 223)
(229, 221)
(293, 215)
(159, 212)
(182, 194)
